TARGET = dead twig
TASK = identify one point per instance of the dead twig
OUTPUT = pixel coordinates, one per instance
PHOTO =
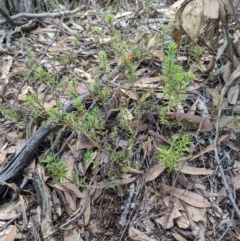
(10, 221)
(226, 185)
(44, 15)
(7, 18)
(229, 225)
(72, 219)
(131, 191)
(137, 192)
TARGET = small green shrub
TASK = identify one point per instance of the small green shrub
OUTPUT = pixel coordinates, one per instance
(171, 156)
(109, 18)
(53, 164)
(176, 80)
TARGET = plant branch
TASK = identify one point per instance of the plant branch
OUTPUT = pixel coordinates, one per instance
(43, 15)
(230, 196)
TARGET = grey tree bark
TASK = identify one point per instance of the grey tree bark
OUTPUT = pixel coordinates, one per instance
(12, 7)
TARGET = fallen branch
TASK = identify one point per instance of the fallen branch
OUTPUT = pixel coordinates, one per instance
(43, 15)
(15, 167)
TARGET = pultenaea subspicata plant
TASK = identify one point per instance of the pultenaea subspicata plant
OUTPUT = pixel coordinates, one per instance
(175, 79)
(171, 156)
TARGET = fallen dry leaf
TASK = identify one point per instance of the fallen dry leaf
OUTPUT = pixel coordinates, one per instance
(182, 221)
(139, 126)
(177, 203)
(130, 93)
(10, 209)
(73, 187)
(232, 95)
(70, 201)
(227, 71)
(191, 198)
(147, 81)
(157, 53)
(152, 42)
(178, 237)
(14, 136)
(122, 14)
(153, 172)
(211, 9)
(166, 221)
(235, 74)
(95, 227)
(6, 68)
(123, 181)
(14, 187)
(178, 14)
(192, 18)
(221, 50)
(222, 193)
(208, 148)
(177, 5)
(177, 36)
(193, 120)
(194, 170)
(9, 233)
(25, 92)
(138, 235)
(5, 73)
(87, 212)
(197, 214)
(215, 96)
(73, 235)
(193, 107)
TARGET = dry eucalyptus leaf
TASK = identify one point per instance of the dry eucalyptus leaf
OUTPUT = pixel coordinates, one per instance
(182, 221)
(153, 172)
(221, 50)
(4, 77)
(211, 30)
(235, 74)
(177, 36)
(211, 9)
(138, 235)
(225, 7)
(194, 170)
(192, 19)
(14, 136)
(87, 212)
(178, 15)
(152, 42)
(215, 96)
(227, 72)
(6, 68)
(197, 214)
(25, 92)
(208, 148)
(178, 237)
(166, 221)
(232, 95)
(191, 198)
(222, 193)
(9, 233)
(148, 81)
(10, 209)
(177, 4)
(157, 53)
(14, 187)
(130, 93)
(194, 121)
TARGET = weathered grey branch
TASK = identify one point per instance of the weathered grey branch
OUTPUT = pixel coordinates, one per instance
(15, 167)
(44, 15)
